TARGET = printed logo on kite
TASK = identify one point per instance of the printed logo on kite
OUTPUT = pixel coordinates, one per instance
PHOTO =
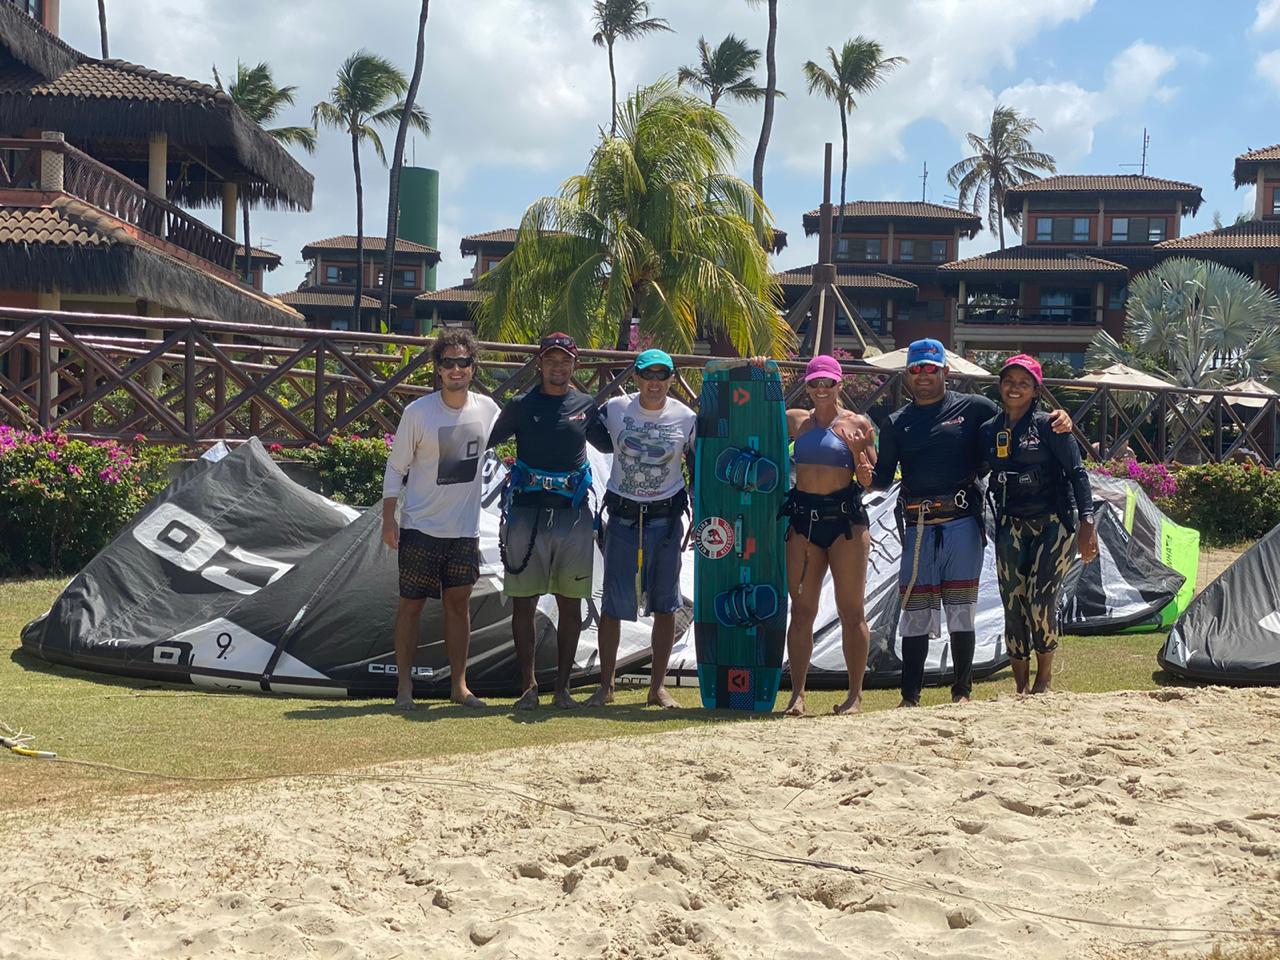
(1271, 622)
(714, 537)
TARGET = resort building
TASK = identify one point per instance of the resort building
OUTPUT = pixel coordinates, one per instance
(95, 158)
(326, 297)
(1084, 237)
(452, 306)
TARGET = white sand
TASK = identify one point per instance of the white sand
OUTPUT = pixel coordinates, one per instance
(1157, 809)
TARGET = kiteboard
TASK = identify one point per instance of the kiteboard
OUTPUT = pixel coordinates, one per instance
(740, 574)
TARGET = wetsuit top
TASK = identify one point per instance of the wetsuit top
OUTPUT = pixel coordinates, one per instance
(1041, 473)
(938, 446)
(550, 433)
(820, 446)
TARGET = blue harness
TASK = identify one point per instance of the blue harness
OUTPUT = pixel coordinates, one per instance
(573, 485)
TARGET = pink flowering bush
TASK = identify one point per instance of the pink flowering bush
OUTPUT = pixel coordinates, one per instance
(1155, 478)
(62, 500)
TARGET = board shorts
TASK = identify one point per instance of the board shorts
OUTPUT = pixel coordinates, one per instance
(946, 580)
(663, 539)
(562, 555)
(1032, 557)
(428, 564)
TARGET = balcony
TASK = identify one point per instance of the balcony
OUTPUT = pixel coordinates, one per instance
(54, 166)
(1014, 315)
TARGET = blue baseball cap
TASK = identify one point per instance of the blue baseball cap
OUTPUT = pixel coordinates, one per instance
(927, 351)
(654, 357)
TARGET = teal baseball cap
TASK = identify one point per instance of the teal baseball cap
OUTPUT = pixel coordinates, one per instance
(654, 357)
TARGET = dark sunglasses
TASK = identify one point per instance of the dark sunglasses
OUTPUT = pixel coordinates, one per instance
(821, 383)
(451, 363)
(654, 373)
(918, 368)
(557, 343)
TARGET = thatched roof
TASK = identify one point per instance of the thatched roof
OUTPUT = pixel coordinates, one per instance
(50, 86)
(76, 248)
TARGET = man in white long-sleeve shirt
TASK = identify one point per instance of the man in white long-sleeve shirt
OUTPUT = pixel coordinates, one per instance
(440, 446)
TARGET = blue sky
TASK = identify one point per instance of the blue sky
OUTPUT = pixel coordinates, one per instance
(517, 93)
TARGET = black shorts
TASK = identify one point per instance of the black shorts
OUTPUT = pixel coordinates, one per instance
(428, 564)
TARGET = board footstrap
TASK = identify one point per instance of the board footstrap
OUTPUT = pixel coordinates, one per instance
(746, 605)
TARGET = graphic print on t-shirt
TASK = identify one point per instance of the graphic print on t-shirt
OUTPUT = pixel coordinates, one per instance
(644, 449)
(460, 446)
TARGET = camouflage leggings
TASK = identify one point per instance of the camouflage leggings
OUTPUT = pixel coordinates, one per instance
(1032, 557)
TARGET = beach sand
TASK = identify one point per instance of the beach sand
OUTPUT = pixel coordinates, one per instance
(950, 832)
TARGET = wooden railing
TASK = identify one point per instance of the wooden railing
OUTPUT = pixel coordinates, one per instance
(194, 382)
(107, 189)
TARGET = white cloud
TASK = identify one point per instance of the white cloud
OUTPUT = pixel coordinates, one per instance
(1267, 17)
(1267, 66)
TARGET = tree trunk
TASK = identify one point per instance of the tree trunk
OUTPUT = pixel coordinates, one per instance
(613, 86)
(248, 250)
(359, 295)
(844, 175)
(397, 162)
(1000, 210)
(102, 26)
(770, 91)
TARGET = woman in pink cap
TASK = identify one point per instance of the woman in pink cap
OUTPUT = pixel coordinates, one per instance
(828, 527)
(1040, 490)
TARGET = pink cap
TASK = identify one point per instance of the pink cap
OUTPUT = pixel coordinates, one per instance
(1027, 363)
(823, 366)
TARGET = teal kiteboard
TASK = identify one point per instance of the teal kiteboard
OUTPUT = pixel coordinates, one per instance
(739, 567)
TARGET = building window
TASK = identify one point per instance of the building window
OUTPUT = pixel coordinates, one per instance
(1065, 306)
(33, 7)
(409, 278)
(1275, 200)
(1116, 298)
(1137, 229)
(1062, 229)
(341, 275)
(927, 251)
(859, 248)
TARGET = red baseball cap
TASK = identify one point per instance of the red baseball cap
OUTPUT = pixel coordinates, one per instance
(558, 341)
(1027, 363)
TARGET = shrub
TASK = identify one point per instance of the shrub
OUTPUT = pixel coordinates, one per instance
(1154, 478)
(62, 500)
(1227, 502)
(350, 467)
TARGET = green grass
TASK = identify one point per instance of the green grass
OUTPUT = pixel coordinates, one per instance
(179, 730)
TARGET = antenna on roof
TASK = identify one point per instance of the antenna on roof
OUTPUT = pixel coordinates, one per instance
(924, 181)
(1142, 167)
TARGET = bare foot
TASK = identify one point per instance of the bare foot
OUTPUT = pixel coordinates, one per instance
(660, 698)
(959, 699)
(564, 701)
(601, 697)
(404, 699)
(1039, 689)
(852, 704)
(528, 700)
(904, 702)
(467, 699)
(796, 707)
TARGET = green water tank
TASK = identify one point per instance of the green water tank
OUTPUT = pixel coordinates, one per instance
(420, 210)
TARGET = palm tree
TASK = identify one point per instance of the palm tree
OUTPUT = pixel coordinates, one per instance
(102, 26)
(397, 162)
(255, 92)
(724, 70)
(357, 105)
(770, 93)
(1003, 159)
(622, 20)
(654, 230)
(860, 67)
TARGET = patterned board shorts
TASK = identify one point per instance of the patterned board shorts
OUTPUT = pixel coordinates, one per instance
(1032, 557)
(946, 579)
(429, 563)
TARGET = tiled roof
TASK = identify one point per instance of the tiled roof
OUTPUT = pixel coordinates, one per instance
(50, 225)
(1103, 183)
(1247, 164)
(1023, 259)
(257, 253)
(1251, 235)
(968, 222)
(849, 279)
(1262, 153)
(506, 235)
(113, 80)
(452, 294)
(371, 245)
(316, 298)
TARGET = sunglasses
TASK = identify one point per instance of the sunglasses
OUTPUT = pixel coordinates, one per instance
(918, 368)
(654, 373)
(558, 343)
(456, 363)
(821, 383)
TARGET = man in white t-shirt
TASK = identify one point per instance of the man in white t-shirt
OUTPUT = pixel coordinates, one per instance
(440, 446)
(651, 435)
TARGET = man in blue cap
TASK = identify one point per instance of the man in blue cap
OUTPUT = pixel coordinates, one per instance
(651, 435)
(936, 439)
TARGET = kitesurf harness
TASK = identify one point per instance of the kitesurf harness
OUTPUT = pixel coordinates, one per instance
(638, 512)
(1033, 478)
(842, 506)
(572, 485)
(965, 502)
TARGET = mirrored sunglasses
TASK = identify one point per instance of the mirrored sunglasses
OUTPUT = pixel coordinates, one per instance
(918, 368)
(654, 373)
(822, 383)
(450, 363)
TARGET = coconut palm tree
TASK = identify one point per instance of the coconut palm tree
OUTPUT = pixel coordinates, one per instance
(622, 20)
(859, 68)
(655, 230)
(255, 92)
(1002, 159)
(102, 26)
(358, 105)
(770, 93)
(724, 71)
(397, 163)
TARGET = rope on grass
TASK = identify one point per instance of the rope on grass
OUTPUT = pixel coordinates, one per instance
(749, 851)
